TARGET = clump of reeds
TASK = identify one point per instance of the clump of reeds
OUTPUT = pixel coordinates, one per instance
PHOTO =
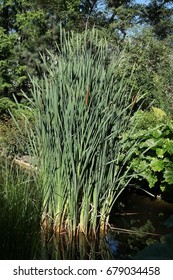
(20, 213)
(83, 108)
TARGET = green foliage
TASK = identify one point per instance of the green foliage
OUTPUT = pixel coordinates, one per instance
(6, 105)
(153, 157)
(158, 13)
(149, 118)
(153, 71)
(13, 140)
(20, 204)
(30, 27)
(12, 73)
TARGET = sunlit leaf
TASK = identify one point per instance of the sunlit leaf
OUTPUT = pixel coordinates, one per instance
(168, 176)
(160, 152)
(152, 179)
(150, 142)
(169, 147)
(157, 164)
(162, 188)
(157, 133)
(148, 175)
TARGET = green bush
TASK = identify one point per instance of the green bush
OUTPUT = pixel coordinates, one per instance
(15, 121)
(152, 160)
(149, 118)
(14, 139)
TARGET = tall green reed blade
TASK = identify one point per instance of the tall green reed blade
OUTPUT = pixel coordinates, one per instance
(82, 110)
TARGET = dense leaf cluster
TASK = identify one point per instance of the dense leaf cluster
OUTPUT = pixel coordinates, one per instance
(152, 160)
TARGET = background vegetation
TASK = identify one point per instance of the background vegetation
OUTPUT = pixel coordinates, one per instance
(28, 28)
(21, 204)
(151, 161)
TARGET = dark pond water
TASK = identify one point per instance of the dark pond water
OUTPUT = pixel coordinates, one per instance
(135, 222)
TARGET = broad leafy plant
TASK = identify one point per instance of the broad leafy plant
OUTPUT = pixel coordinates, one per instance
(152, 160)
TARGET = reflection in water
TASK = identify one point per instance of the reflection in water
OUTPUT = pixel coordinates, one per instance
(135, 210)
(113, 245)
(139, 221)
(61, 248)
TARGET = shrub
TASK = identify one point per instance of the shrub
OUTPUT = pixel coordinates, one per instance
(153, 156)
(14, 138)
(149, 118)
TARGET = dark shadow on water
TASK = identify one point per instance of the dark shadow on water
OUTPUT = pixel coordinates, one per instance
(137, 220)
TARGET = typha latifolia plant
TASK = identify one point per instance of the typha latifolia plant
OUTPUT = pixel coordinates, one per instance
(82, 109)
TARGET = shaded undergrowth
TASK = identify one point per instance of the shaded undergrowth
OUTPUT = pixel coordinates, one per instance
(20, 213)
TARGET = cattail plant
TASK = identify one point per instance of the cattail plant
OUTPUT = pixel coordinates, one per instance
(82, 110)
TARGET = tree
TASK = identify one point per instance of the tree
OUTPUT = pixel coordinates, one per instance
(12, 73)
(25, 31)
(158, 14)
(28, 28)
